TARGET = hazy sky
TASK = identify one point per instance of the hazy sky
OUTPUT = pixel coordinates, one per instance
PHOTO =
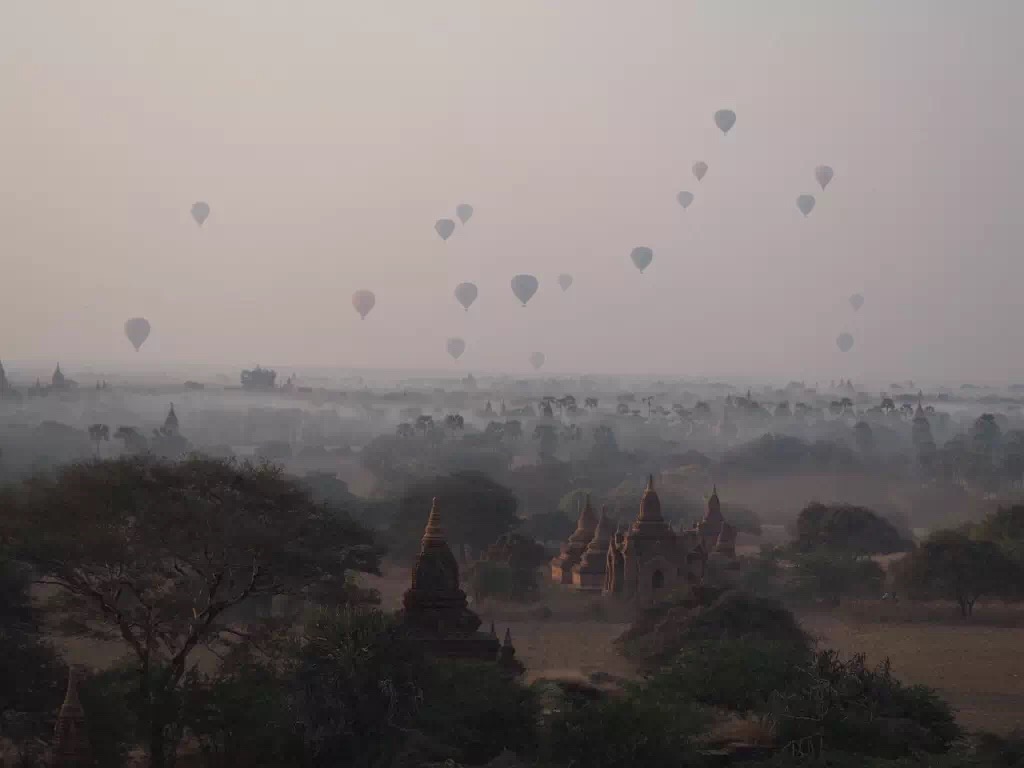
(328, 135)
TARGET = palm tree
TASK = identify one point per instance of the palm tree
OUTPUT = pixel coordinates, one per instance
(98, 433)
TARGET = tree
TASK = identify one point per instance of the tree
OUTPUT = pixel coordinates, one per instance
(134, 441)
(258, 379)
(952, 566)
(405, 431)
(475, 510)
(32, 677)
(833, 576)
(157, 552)
(358, 687)
(424, 424)
(98, 433)
(547, 435)
(513, 430)
(453, 422)
(847, 528)
(590, 403)
(1005, 527)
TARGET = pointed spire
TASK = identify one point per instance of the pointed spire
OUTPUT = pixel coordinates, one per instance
(433, 531)
(508, 638)
(494, 634)
(650, 483)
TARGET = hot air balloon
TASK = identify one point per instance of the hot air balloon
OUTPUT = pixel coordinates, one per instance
(200, 212)
(685, 198)
(699, 169)
(456, 347)
(725, 119)
(464, 212)
(524, 286)
(642, 258)
(845, 342)
(465, 294)
(537, 360)
(444, 228)
(363, 301)
(856, 301)
(564, 281)
(824, 174)
(137, 331)
(805, 203)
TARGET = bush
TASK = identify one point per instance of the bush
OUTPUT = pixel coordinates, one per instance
(472, 712)
(738, 674)
(666, 630)
(644, 727)
(850, 707)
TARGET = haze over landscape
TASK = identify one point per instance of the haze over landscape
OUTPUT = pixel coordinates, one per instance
(329, 136)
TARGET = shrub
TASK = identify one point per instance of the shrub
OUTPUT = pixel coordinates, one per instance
(846, 528)
(850, 707)
(488, 579)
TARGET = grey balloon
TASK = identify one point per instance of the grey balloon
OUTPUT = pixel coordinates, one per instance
(137, 330)
(537, 360)
(856, 301)
(465, 294)
(699, 169)
(444, 228)
(464, 212)
(456, 347)
(845, 342)
(642, 258)
(805, 203)
(823, 174)
(363, 301)
(524, 286)
(725, 119)
(200, 212)
(564, 281)
(685, 198)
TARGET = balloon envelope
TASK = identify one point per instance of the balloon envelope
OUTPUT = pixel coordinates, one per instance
(537, 360)
(465, 294)
(564, 281)
(642, 258)
(856, 301)
(823, 174)
(137, 331)
(844, 341)
(699, 169)
(685, 198)
(524, 286)
(456, 347)
(464, 212)
(363, 302)
(200, 212)
(725, 119)
(444, 228)
(805, 203)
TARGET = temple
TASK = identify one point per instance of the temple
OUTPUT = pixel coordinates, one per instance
(648, 558)
(71, 747)
(573, 550)
(435, 606)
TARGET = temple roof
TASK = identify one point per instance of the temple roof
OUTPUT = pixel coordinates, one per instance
(650, 504)
(714, 511)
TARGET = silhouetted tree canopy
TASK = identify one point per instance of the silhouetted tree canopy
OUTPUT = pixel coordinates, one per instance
(475, 510)
(156, 552)
(847, 528)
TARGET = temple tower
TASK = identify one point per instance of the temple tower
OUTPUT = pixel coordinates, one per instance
(71, 748)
